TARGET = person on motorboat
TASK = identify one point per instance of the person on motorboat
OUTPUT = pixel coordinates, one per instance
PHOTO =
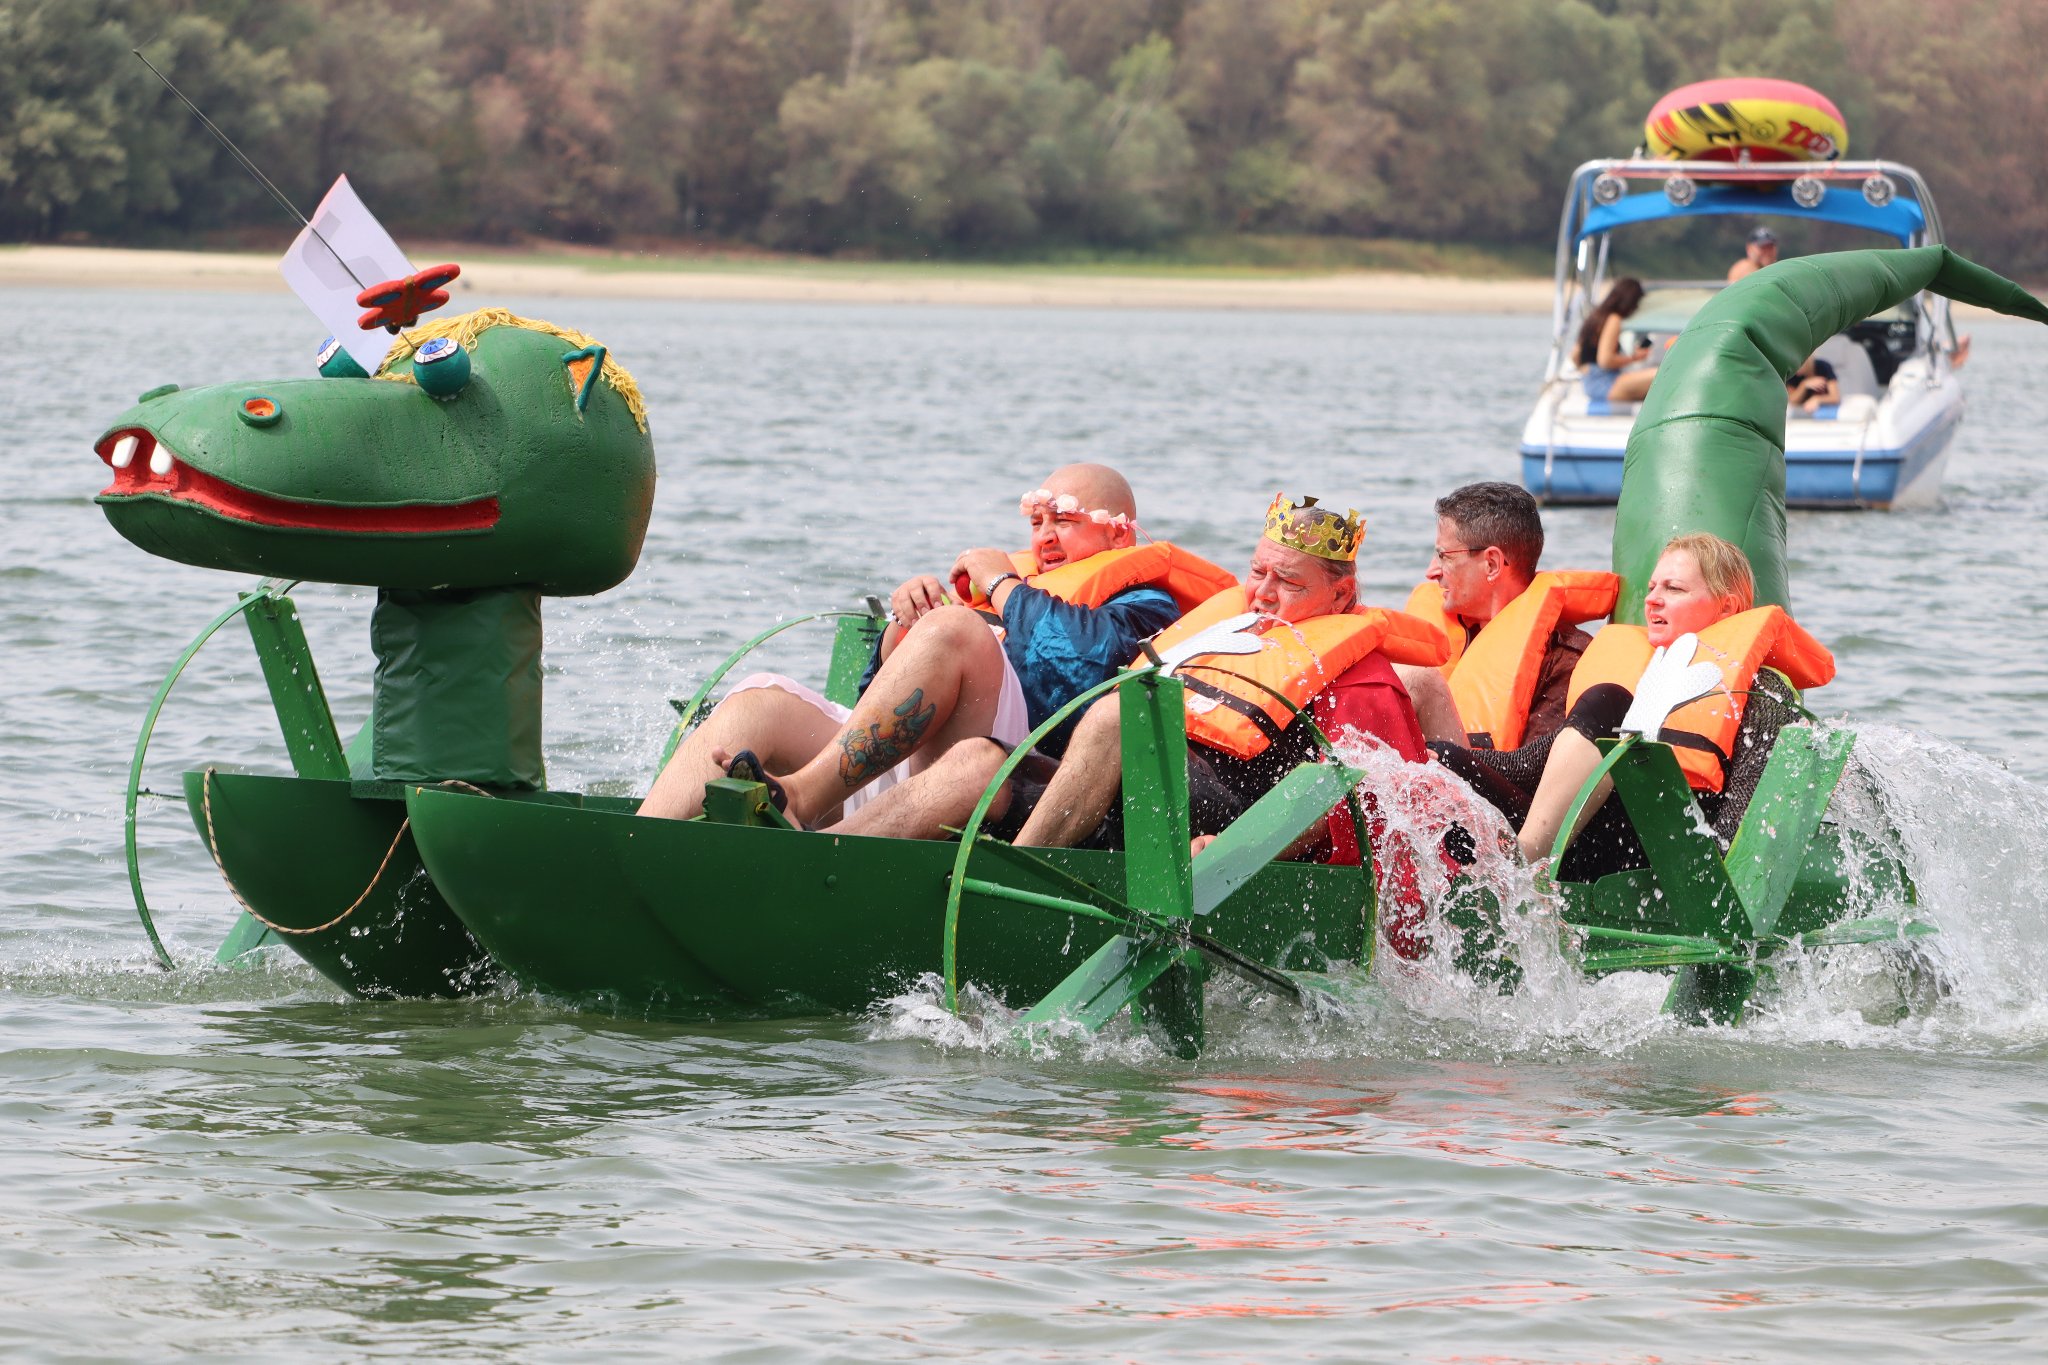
(1514, 633)
(1703, 588)
(1043, 628)
(1813, 385)
(1294, 625)
(1761, 250)
(1610, 374)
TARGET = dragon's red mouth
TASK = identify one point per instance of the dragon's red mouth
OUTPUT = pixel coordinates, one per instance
(144, 467)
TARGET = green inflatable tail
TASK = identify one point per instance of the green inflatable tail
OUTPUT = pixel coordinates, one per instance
(1708, 449)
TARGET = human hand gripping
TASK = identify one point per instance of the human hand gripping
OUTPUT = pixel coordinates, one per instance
(915, 598)
(975, 569)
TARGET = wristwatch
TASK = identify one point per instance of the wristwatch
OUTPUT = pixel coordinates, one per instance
(998, 581)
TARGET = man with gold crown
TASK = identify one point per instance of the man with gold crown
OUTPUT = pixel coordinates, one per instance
(1016, 638)
(1294, 627)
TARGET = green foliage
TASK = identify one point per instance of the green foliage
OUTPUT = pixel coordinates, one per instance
(969, 126)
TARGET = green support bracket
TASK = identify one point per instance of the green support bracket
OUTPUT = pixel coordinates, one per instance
(302, 715)
(295, 692)
(729, 801)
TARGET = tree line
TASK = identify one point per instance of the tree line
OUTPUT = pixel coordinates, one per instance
(967, 127)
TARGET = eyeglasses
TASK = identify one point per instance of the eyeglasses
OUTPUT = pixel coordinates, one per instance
(1444, 556)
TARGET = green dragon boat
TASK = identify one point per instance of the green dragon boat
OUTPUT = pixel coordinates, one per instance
(426, 857)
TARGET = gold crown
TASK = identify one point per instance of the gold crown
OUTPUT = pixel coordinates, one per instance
(1314, 530)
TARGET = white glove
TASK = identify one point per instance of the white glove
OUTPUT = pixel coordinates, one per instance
(1675, 676)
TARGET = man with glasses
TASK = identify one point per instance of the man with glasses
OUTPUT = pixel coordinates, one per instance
(1042, 628)
(1513, 631)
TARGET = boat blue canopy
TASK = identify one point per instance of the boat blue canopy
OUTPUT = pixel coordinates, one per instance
(1901, 219)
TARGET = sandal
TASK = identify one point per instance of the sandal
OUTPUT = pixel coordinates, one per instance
(746, 766)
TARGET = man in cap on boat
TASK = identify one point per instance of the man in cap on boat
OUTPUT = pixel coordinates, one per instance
(1513, 632)
(1293, 626)
(1761, 250)
(1043, 628)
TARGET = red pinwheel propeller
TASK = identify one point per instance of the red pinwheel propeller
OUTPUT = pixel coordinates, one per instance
(399, 303)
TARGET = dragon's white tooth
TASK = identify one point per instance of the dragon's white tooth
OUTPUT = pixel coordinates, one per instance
(160, 461)
(124, 452)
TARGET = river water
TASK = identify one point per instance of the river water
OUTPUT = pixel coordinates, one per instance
(245, 1165)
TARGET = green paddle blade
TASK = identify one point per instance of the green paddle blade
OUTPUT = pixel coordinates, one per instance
(1114, 976)
(1262, 833)
(1865, 931)
(1652, 956)
(1783, 817)
(1682, 851)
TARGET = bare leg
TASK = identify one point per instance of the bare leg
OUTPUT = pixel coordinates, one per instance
(926, 804)
(940, 686)
(1433, 704)
(784, 729)
(1631, 385)
(1572, 760)
(1090, 776)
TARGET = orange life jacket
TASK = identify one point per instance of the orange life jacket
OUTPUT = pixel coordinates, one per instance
(1228, 704)
(1702, 733)
(1493, 677)
(1188, 578)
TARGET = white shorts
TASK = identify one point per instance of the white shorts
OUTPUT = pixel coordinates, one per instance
(1012, 725)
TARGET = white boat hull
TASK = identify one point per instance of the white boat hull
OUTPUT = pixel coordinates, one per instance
(1890, 451)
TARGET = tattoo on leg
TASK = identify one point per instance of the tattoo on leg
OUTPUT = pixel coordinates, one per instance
(864, 753)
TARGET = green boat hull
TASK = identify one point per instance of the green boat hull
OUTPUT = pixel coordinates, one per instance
(601, 907)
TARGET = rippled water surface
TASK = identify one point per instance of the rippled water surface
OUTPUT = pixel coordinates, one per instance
(245, 1165)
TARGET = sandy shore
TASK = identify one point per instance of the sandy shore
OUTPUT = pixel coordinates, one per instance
(820, 282)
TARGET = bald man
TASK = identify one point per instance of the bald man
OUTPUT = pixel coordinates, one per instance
(942, 674)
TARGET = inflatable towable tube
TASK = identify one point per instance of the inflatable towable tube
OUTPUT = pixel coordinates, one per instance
(1708, 449)
(1746, 118)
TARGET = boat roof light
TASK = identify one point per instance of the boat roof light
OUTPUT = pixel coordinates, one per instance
(1901, 218)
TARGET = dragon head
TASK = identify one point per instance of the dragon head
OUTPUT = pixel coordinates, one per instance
(489, 451)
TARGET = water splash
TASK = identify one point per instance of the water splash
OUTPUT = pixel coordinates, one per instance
(1981, 984)
(1974, 838)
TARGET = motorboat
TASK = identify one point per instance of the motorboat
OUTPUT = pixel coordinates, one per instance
(1885, 444)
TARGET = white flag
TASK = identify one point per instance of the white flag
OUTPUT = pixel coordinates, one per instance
(316, 274)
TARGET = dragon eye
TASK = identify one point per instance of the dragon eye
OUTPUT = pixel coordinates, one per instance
(335, 363)
(442, 367)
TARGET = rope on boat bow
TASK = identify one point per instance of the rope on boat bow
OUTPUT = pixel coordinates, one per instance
(213, 847)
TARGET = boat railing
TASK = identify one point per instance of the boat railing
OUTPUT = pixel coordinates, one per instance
(1575, 256)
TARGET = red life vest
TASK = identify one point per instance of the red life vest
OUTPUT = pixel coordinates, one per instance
(1229, 700)
(1493, 677)
(1702, 733)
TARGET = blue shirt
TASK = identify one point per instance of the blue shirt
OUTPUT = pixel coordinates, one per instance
(1060, 650)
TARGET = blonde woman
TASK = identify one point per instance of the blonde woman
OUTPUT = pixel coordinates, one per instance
(1700, 581)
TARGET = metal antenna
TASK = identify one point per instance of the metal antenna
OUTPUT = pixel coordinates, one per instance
(250, 167)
